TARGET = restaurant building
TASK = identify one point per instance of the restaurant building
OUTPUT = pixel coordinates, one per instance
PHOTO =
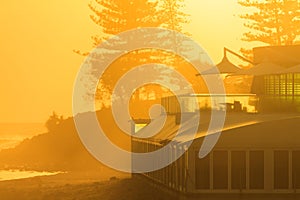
(257, 152)
(276, 77)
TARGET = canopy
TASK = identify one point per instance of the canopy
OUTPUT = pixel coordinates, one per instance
(224, 67)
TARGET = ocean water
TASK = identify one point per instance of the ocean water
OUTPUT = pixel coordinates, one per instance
(17, 174)
(11, 134)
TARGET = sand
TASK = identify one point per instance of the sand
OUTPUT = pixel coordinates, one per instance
(81, 186)
(96, 186)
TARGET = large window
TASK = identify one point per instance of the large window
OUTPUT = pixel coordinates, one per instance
(277, 85)
(281, 92)
(282, 85)
(290, 85)
(281, 169)
(238, 170)
(202, 169)
(220, 170)
(296, 169)
(297, 84)
(256, 169)
(269, 85)
(180, 171)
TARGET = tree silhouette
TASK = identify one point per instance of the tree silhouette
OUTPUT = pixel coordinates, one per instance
(172, 15)
(115, 16)
(275, 22)
(173, 18)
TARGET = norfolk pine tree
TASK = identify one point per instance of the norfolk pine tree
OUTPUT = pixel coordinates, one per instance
(274, 22)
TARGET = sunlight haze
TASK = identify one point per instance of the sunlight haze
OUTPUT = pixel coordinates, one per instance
(37, 40)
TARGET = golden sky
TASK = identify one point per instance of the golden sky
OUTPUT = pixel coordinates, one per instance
(38, 66)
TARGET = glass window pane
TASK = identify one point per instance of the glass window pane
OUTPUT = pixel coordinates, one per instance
(256, 173)
(238, 169)
(220, 169)
(283, 84)
(271, 85)
(296, 169)
(276, 84)
(281, 169)
(202, 169)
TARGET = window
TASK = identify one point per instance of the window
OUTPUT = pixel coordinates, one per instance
(296, 169)
(282, 84)
(238, 170)
(281, 169)
(276, 85)
(256, 171)
(269, 84)
(180, 172)
(290, 84)
(220, 170)
(297, 84)
(202, 169)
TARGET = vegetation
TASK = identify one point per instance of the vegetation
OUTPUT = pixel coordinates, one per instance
(116, 16)
(60, 149)
(53, 121)
(276, 22)
(273, 22)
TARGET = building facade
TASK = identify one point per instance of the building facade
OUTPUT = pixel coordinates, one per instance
(278, 90)
(254, 155)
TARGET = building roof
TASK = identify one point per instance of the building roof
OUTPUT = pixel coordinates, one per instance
(295, 69)
(224, 67)
(264, 68)
(285, 56)
(278, 134)
(233, 121)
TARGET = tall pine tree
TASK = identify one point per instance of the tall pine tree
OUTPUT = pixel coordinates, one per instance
(116, 16)
(275, 22)
(172, 15)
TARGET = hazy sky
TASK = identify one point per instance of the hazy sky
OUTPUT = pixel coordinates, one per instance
(38, 66)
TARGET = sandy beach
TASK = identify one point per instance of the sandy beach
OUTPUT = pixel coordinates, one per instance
(80, 186)
(83, 186)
